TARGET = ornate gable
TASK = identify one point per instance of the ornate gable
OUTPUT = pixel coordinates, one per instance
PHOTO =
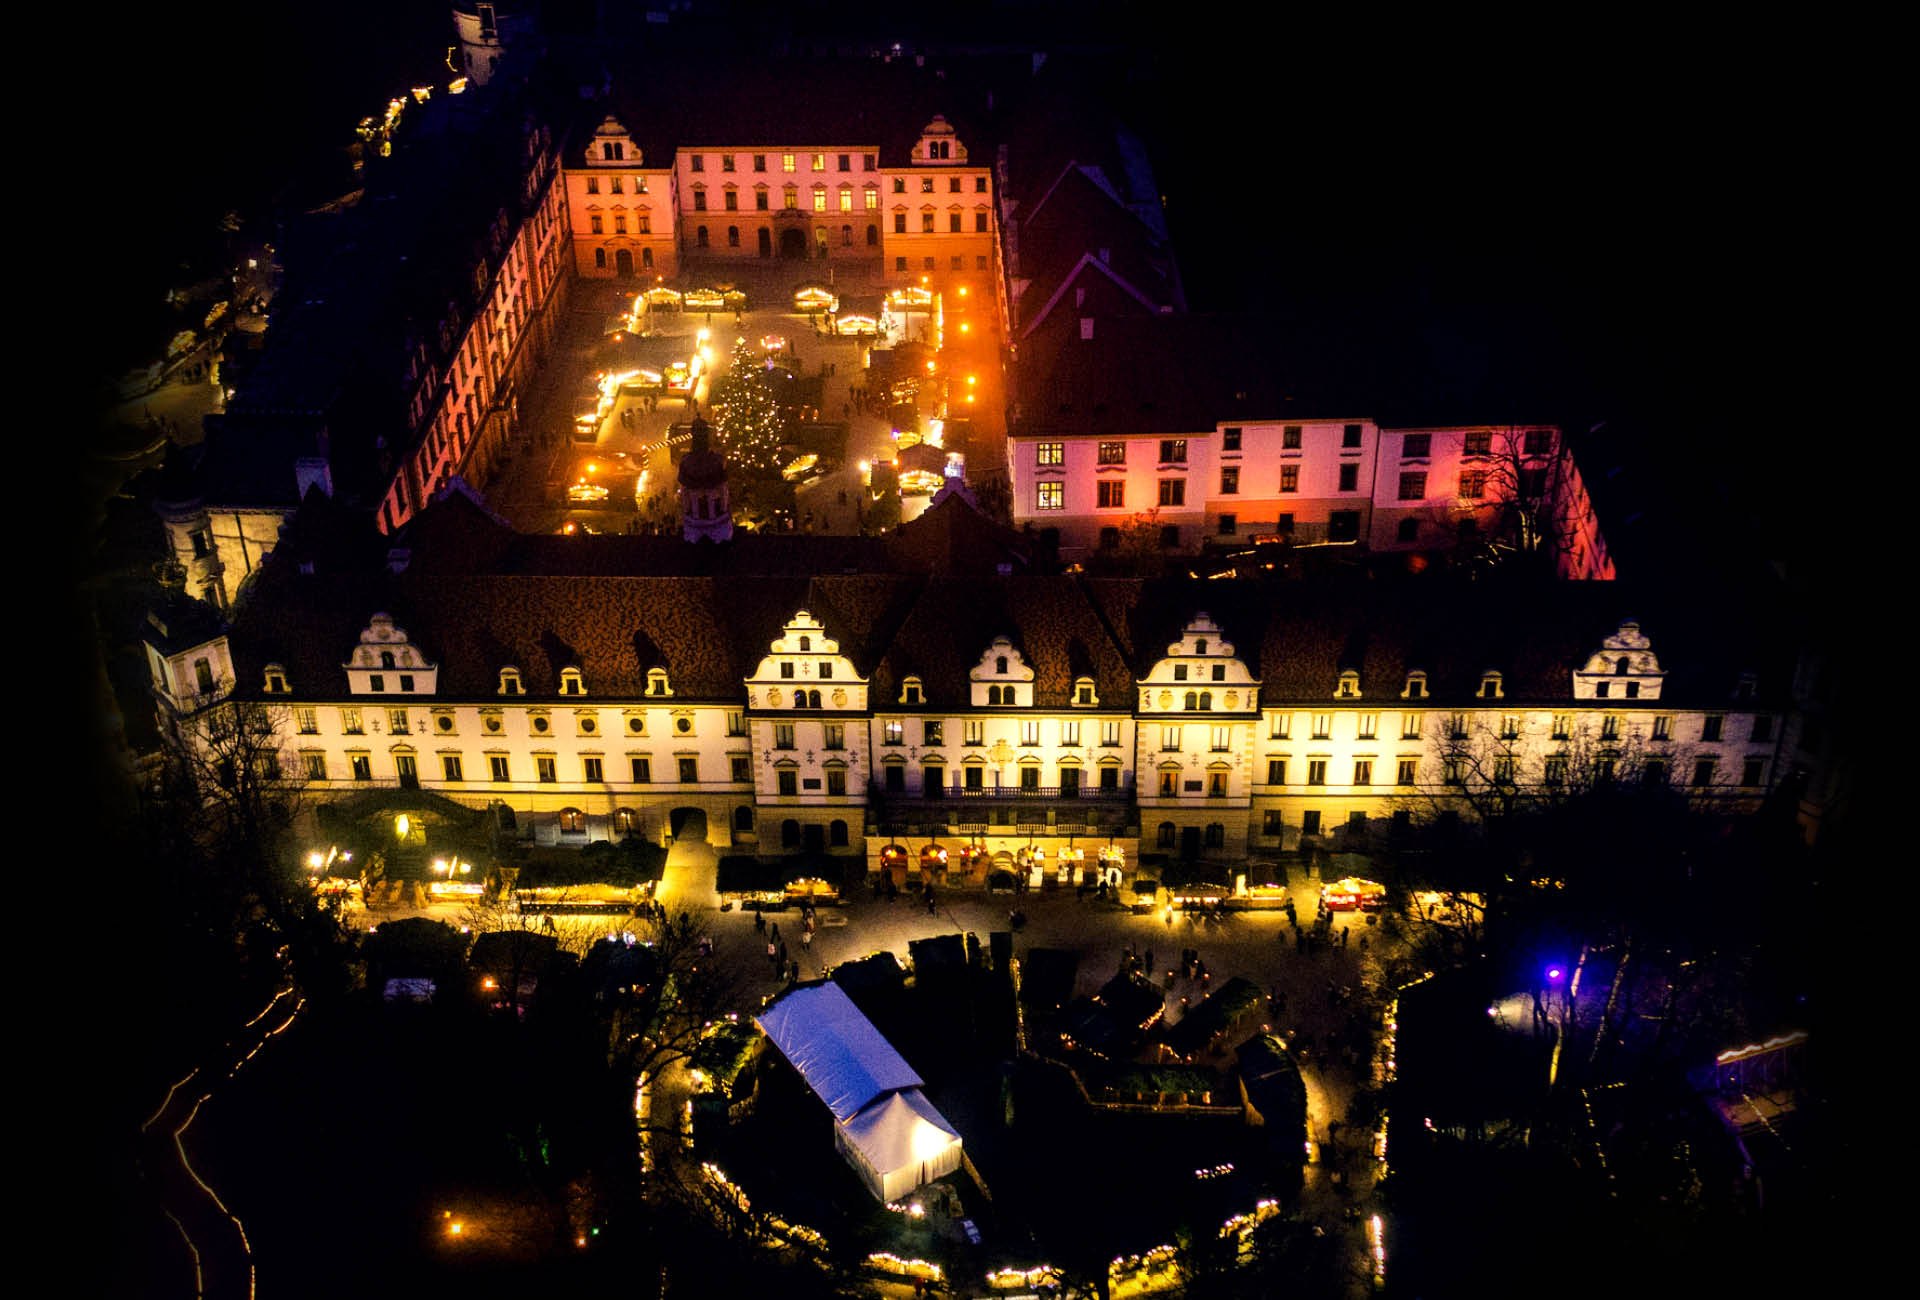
(804, 669)
(1002, 677)
(386, 662)
(1200, 673)
(1624, 668)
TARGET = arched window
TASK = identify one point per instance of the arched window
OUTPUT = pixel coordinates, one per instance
(1193, 700)
(1200, 646)
(846, 236)
(624, 820)
(733, 236)
(1206, 699)
(1620, 669)
(1216, 836)
(646, 258)
(1000, 664)
(743, 817)
(789, 834)
(700, 236)
(806, 644)
(873, 235)
(572, 821)
(386, 659)
(993, 695)
(1165, 837)
(837, 834)
(599, 259)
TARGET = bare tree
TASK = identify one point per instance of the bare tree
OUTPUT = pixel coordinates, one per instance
(1518, 505)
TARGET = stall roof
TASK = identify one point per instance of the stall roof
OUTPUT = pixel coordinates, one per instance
(837, 1050)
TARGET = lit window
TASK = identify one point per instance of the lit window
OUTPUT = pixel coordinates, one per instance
(1052, 495)
(1050, 453)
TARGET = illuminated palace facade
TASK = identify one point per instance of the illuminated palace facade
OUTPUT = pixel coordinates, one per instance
(890, 716)
(925, 216)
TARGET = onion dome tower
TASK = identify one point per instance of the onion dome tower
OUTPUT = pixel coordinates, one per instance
(705, 512)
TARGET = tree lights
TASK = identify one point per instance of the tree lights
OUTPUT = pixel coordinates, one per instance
(746, 414)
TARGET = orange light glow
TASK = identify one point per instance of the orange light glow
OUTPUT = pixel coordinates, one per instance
(963, 291)
(969, 397)
(964, 327)
(972, 379)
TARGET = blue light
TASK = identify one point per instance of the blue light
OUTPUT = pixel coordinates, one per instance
(1554, 973)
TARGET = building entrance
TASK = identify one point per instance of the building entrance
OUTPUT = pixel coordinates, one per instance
(793, 243)
(623, 261)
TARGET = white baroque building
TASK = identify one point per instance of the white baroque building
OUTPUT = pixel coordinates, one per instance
(910, 721)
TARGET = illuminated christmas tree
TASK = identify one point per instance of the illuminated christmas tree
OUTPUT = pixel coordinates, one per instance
(746, 414)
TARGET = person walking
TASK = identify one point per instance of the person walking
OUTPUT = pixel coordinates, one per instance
(773, 955)
(806, 939)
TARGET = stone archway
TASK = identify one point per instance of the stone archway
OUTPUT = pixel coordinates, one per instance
(623, 262)
(793, 243)
(688, 823)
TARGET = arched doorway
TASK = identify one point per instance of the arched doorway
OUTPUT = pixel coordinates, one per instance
(789, 834)
(813, 837)
(1189, 841)
(623, 261)
(766, 242)
(688, 823)
(793, 243)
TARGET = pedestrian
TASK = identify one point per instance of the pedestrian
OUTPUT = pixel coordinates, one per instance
(793, 974)
(1169, 918)
(781, 955)
(773, 956)
(759, 921)
(774, 933)
(806, 938)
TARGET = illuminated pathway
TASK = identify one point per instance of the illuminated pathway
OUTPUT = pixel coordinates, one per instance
(216, 1240)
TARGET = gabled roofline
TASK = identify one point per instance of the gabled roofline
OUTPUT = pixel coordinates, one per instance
(1088, 259)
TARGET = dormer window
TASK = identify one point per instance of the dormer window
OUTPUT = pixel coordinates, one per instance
(1200, 646)
(1349, 687)
(1000, 664)
(910, 692)
(386, 659)
(1744, 689)
(1416, 687)
(276, 680)
(510, 682)
(571, 682)
(657, 682)
(1490, 686)
(1179, 672)
(1083, 691)
(806, 644)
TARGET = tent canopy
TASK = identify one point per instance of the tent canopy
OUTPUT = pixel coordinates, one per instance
(901, 1131)
(837, 1050)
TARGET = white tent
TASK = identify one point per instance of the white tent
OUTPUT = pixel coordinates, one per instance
(884, 1126)
(898, 1143)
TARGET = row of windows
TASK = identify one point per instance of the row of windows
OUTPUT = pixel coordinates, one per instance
(973, 778)
(1561, 726)
(642, 225)
(614, 184)
(353, 722)
(500, 768)
(958, 264)
(788, 162)
(974, 731)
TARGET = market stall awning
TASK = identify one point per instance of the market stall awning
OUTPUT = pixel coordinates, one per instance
(901, 1132)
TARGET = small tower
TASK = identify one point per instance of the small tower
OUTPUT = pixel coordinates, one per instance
(705, 512)
(485, 31)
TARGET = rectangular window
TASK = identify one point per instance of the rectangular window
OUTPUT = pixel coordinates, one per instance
(1169, 738)
(819, 200)
(826, 670)
(307, 721)
(1310, 822)
(1173, 451)
(1070, 732)
(1538, 442)
(1050, 453)
(397, 722)
(1322, 725)
(1555, 772)
(1229, 525)
(450, 767)
(1276, 771)
(1655, 772)
(726, 162)
(1109, 733)
(740, 768)
(1663, 728)
(836, 780)
(1030, 732)
(1503, 770)
(497, 767)
(350, 724)
(699, 162)
(1416, 446)
(953, 225)
(1280, 726)
(1473, 484)
(760, 200)
(786, 162)
(736, 722)
(895, 731)
(1173, 491)
(783, 735)
(1410, 725)
(787, 781)
(835, 735)
(933, 781)
(1316, 771)
(1169, 783)
(316, 765)
(1113, 453)
(1710, 727)
(731, 200)
(545, 769)
(1290, 438)
(976, 732)
(1349, 478)
(1404, 771)
(1477, 444)
(1350, 436)
(362, 765)
(1289, 478)
(1703, 771)
(1369, 724)
(975, 776)
(595, 225)
(590, 770)
(1230, 439)
(926, 223)
(1110, 494)
(1456, 771)
(900, 228)
(689, 771)
(1413, 486)
(1510, 726)
(1753, 772)
(1222, 739)
(1230, 480)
